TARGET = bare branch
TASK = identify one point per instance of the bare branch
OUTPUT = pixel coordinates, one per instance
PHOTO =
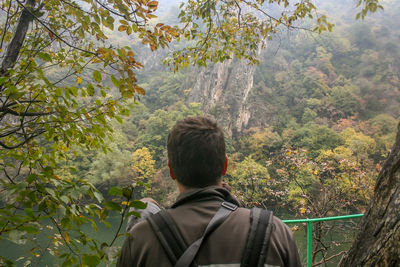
(329, 258)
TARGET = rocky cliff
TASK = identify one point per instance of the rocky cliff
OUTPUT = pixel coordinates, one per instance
(223, 90)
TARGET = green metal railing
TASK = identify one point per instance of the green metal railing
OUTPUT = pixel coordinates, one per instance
(310, 228)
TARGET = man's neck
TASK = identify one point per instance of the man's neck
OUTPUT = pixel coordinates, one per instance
(183, 188)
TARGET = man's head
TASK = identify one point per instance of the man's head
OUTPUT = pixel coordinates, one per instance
(196, 152)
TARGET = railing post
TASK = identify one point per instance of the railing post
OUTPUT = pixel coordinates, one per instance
(309, 243)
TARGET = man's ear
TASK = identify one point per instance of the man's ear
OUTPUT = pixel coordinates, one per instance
(171, 173)
(225, 166)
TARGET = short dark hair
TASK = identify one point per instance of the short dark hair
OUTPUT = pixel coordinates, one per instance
(196, 152)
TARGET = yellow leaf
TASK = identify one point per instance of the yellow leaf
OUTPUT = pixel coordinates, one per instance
(128, 30)
(168, 37)
(173, 32)
(316, 172)
(302, 210)
(78, 80)
(96, 60)
(66, 237)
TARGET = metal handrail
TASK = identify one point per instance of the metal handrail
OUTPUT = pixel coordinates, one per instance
(309, 229)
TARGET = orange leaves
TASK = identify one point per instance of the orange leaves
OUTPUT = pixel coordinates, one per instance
(124, 57)
(152, 5)
(140, 90)
(125, 28)
(144, 9)
(161, 36)
(122, 28)
(172, 31)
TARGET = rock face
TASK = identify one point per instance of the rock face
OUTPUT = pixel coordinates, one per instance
(378, 242)
(223, 90)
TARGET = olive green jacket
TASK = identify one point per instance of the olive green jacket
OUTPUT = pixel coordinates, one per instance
(223, 248)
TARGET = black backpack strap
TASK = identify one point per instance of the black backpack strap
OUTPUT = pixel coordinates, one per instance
(190, 253)
(258, 239)
(168, 234)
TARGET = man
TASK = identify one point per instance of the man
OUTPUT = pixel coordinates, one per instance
(197, 162)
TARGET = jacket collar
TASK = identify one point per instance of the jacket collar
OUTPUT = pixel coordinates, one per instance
(203, 194)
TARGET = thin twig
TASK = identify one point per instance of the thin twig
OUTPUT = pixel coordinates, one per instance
(5, 25)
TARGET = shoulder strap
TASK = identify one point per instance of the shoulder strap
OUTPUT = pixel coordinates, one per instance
(191, 252)
(171, 239)
(168, 234)
(258, 238)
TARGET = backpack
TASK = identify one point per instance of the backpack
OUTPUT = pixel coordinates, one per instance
(182, 255)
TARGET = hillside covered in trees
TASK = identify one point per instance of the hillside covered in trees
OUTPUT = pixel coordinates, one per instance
(307, 128)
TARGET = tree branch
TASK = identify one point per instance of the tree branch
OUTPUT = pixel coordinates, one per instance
(6, 110)
(23, 142)
(5, 25)
(54, 33)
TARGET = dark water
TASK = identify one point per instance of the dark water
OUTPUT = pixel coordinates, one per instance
(14, 251)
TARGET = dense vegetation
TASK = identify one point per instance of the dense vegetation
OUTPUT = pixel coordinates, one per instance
(324, 114)
(325, 111)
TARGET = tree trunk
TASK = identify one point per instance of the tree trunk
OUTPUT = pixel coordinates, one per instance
(378, 242)
(18, 39)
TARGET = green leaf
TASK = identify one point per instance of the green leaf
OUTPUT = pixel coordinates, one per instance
(98, 196)
(137, 204)
(30, 229)
(127, 192)
(29, 212)
(48, 171)
(74, 91)
(134, 213)
(31, 178)
(112, 205)
(115, 81)
(44, 56)
(109, 22)
(97, 76)
(90, 89)
(115, 191)
(90, 260)
(119, 119)
(51, 192)
(64, 199)
(3, 80)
